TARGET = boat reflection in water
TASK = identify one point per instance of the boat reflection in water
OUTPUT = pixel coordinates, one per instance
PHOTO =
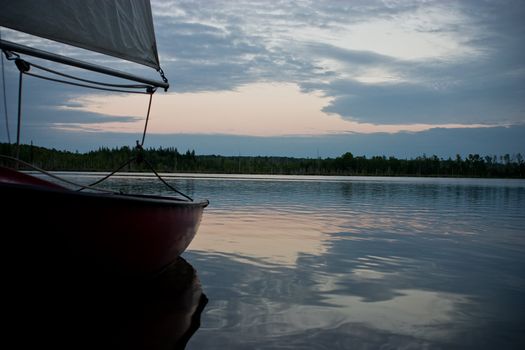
(82, 311)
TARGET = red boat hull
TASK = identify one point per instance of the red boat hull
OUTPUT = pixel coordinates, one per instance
(129, 234)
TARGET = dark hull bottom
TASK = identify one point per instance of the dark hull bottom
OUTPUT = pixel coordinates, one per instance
(118, 234)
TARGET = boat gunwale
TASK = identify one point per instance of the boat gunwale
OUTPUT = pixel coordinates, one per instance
(112, 196)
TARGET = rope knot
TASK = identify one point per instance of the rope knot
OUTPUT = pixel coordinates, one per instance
(140, 152)
(22, 65)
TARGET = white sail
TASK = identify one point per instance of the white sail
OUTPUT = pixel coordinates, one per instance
(120, 28)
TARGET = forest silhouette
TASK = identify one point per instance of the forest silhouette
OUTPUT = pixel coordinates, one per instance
(171, 160)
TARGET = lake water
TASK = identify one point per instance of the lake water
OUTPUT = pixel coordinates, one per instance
(356, 263)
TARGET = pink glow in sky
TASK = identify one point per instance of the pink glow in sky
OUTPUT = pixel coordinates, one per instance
(261, 109)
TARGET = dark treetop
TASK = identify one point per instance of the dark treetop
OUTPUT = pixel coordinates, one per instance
(171, 160)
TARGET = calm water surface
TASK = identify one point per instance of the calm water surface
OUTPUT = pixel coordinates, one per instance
(356, 263)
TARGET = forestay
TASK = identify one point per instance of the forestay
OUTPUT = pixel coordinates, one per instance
(120, 28)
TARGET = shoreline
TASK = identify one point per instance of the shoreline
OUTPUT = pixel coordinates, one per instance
(171, 161)
(261, 176)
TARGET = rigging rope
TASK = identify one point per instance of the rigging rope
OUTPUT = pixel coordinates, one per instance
(110, 174)
(161, 72)
(5, 101)
(138, 158)
(129, 86)
(24, 67)
(147, 118)
(34, 167)
(5, 94)
(164, 182)
(90, 186)
(83, 85)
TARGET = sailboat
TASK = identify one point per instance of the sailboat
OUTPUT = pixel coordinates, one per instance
(50, 223)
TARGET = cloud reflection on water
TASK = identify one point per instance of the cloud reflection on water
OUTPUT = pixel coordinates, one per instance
(418, 313)
(362, 265)
(254, 307)
(294, 280)
(267, 235)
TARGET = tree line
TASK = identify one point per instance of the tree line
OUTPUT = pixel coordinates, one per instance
(171, 160)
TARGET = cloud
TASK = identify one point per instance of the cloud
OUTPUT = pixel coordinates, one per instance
(377, 62)
(408, 62)
(214, 47)
(405, 102)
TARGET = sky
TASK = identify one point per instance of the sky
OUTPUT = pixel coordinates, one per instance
(302, 79)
